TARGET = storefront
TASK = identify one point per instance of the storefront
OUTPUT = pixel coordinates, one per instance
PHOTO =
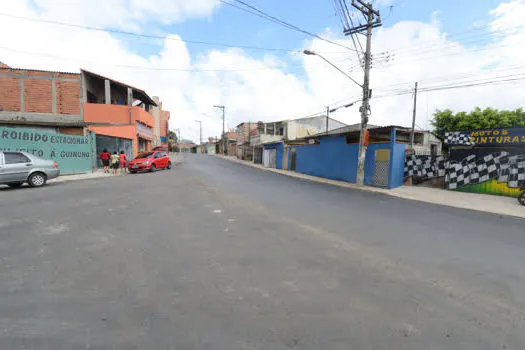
(144, 137)
(114, 144)
(488, 161)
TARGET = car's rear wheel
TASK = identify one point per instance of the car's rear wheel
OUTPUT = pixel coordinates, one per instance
(15, 185)
(37, 180)
(169, 165)
(153, 168)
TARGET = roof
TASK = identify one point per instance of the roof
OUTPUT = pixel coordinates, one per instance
(6, 67)
(137, 93)
(354, 128)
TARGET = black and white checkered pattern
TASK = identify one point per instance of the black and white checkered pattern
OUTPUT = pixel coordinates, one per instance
(471, 170)
(425, 166)
(458, 138)
(492, 166)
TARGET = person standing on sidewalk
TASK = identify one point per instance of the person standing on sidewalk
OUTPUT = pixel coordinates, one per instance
(104, 157)
(115, 162)
(122, 160)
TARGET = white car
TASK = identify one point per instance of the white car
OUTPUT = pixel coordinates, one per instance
(17, 168)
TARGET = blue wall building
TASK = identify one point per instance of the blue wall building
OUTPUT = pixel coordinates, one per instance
(335, 156)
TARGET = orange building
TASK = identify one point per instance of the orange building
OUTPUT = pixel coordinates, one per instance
(118, 113)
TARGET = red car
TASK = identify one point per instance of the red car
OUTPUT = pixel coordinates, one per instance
(150, 161)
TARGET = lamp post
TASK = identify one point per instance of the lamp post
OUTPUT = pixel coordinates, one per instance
(364, 121)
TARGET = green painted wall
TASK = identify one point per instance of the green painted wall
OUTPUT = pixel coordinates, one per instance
(74, 154)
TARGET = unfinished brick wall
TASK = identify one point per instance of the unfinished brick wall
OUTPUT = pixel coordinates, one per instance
(164, 126)
(37, 98)
(10, 92)
(38, 91)
(68, 95)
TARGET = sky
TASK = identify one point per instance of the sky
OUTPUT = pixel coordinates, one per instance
(195, 54)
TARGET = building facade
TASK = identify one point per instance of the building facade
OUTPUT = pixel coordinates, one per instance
(118, 113)
(287, 131)
(41, 100)
(78, 104)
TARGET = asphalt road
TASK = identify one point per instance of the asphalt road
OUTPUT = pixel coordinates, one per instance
(218, 255)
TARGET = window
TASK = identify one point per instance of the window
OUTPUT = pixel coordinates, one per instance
(144, 155)
(15, 158)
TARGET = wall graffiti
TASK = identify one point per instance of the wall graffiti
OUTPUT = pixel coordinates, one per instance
(495, 173)
(74, 154)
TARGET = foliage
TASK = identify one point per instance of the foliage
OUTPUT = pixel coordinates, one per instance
(488, 118)
(172, 135)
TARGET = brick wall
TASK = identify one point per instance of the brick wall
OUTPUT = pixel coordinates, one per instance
(38, 91)
(37, 96)
(164, 118)
(10, 96)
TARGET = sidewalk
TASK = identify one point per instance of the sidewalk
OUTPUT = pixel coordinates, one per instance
(99, 173)
(472, 201)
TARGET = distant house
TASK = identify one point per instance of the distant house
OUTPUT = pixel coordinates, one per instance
(286, 132)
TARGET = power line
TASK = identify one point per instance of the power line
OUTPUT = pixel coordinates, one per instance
(148, 36)
(138, 67)
(279, 21)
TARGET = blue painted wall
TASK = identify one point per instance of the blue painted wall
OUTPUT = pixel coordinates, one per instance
(370, 161)
(279, 153)
(397, 165)
(331, 159)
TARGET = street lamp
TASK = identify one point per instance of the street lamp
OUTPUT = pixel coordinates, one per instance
(313, 53)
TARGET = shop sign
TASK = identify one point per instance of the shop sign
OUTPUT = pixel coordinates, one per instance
(144, 132)
(487, 137)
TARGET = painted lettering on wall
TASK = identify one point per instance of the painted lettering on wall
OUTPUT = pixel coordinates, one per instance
(509, 136)
(73, 154)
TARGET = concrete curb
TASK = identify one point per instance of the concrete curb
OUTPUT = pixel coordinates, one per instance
(503, 206)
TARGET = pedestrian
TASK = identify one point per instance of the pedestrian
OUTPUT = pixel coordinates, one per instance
(104, 157)
(123, 160)
(115, 162)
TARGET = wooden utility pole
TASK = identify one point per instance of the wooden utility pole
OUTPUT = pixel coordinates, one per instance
(413, 117)
(373, 20)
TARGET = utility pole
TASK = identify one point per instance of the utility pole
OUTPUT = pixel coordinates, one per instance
(413, 117)
(373, 20)
(223, 138)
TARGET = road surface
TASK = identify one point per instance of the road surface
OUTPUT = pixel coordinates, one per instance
(218, 255)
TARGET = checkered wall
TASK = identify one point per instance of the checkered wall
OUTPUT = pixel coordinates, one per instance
(471, 170)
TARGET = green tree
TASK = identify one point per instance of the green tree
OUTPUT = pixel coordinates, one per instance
(172, 135)
(488, 118)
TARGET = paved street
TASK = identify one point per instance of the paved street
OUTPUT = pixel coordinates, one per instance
(218, 255)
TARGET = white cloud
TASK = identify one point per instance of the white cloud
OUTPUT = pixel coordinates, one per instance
(260, 89)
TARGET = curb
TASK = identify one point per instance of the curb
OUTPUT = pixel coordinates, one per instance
(368, 189)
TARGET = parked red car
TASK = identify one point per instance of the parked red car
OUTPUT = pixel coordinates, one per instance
(150, 161)
(160, 148)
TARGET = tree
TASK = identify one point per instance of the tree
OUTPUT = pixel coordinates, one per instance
(172, 135)
(488, 118)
